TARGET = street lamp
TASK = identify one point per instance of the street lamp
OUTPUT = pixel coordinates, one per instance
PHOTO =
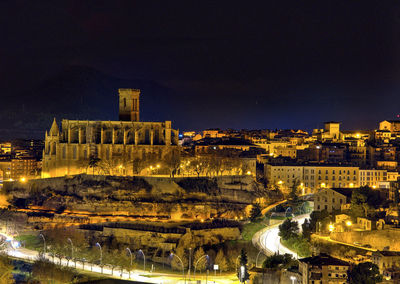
(293, 279)
(130, 253)
(195, 265)
(190, 260)
(44, 243)
(258, 256)
(72, 249)
(331, 228)
(183, 268)
(144, 259)
(101, 256)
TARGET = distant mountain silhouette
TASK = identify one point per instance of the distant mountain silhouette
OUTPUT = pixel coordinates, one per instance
(78, 92)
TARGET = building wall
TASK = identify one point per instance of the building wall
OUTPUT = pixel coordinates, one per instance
(384, 262)
(312, 177)
(328, 199)
(372, 178)
(23, 168)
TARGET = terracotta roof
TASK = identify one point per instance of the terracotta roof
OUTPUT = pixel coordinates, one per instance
(323, 259)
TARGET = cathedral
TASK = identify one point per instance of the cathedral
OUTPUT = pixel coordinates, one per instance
(116, 144)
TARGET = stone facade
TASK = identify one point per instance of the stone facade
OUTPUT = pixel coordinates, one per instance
(118, 143)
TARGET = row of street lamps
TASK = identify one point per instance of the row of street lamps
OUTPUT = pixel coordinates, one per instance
(130, 254)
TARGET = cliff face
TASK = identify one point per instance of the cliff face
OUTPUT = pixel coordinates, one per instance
(136, 197)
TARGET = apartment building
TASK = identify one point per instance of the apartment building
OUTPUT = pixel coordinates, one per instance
(323, 269)
(312, 177)
(331, 199)
(373, 178)
(322, 176)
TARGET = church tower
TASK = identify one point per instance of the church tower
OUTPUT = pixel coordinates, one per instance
(129, 104)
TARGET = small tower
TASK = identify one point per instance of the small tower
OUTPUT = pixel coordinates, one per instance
(54, 130)
(129, 104)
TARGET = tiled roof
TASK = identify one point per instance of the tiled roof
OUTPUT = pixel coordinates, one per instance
(323, 259)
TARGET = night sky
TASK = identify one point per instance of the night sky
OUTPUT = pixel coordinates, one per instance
(201, 64)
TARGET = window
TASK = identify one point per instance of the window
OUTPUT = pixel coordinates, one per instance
(74, 152)
(326, 207)
(124, 103)
(333, 200)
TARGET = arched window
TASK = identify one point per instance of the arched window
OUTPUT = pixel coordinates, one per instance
(74, 152)
(53, 148)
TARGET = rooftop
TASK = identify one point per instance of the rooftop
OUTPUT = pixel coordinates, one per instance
(388, 253)
(323, 259)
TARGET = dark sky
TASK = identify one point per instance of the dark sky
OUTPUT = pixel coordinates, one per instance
(201, 64)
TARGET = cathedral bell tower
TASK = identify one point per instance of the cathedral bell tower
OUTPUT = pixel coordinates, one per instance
(129, 104)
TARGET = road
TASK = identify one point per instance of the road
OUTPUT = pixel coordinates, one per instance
(268, 241)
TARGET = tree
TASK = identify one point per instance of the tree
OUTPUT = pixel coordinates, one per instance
(279, 261)
(293, 196)
(288, 229)
(172, 161)
(306, 229)
(47, 272)
(220, 259)
(93, 162)
(201, 263)
(255, 211)
(365, 273)
(182, 255)
(242, 272)
(6, 268)
(319, 220)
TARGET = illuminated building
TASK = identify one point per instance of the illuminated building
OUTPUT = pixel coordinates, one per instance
(323, 269)
(373, 178)
(23, 167)
(5, 148)
(390, 125)
(331, 199)
(386, 260)
(67, 151)
(331, 132)
(312, 176)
